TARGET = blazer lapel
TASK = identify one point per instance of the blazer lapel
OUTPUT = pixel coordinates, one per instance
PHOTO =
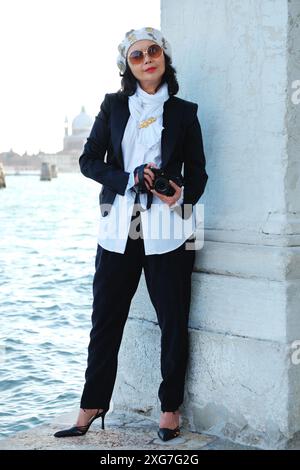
(171, 123)
(119, 128)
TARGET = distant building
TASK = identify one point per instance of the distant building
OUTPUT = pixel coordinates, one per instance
(81, 126)
(66, 160)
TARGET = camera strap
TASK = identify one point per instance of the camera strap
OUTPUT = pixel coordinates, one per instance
(141, 187)
(137, 199)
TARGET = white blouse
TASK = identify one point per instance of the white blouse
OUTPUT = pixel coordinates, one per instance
(163, 228)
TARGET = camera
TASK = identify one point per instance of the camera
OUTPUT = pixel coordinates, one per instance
(161, 181)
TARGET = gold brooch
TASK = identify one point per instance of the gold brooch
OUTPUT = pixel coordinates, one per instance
(147, 122)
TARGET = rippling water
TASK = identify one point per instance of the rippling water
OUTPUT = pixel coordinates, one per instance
(48, 240)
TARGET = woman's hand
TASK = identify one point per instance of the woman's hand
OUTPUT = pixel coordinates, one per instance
(170, 199)
(148, 176)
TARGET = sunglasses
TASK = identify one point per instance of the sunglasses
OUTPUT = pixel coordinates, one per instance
(136, 57)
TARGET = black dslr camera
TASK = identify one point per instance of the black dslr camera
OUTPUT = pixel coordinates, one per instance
(161, 181)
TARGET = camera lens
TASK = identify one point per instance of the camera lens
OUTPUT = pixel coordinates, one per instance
(161, 185)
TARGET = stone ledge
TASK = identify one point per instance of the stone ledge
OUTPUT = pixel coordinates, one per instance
(243, 260)
(122, 432)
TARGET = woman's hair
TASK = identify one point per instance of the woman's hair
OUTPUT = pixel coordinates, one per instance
(129, 82)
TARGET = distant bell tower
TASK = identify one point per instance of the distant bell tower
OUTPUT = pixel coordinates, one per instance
(66, 127)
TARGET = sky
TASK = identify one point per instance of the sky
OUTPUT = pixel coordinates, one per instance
(55, 57)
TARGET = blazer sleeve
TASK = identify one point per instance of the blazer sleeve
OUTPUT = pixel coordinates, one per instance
(195, 175)
(91, 161)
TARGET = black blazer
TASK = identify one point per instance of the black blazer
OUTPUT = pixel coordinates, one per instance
(181, 142)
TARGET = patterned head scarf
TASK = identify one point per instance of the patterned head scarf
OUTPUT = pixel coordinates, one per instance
(136, 35)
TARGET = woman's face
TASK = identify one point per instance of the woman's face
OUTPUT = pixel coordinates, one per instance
(140, 70)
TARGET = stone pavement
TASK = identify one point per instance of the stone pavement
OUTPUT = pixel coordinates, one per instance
(123, 431)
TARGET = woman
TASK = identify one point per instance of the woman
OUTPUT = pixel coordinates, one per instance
(143, 128)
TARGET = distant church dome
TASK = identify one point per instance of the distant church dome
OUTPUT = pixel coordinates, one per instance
(81, 123)
(81, 128)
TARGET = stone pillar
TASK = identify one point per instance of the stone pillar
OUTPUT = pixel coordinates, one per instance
(240, 61)
(2, 177)
(45, 172)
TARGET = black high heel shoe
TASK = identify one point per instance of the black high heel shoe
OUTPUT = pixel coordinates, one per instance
(81, 430)
(166, 434)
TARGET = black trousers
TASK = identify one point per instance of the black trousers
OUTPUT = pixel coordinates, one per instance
(168, 280)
